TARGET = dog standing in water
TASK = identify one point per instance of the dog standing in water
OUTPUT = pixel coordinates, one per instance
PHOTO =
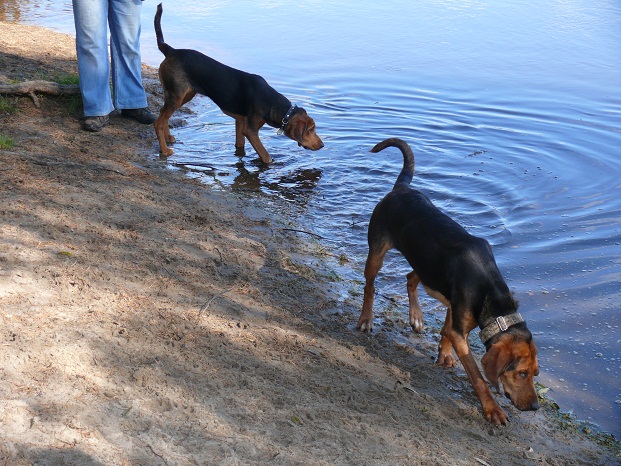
(460, 271)
(246, 97)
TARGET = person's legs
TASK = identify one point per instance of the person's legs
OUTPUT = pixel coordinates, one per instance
(124, 18)
(91, 29)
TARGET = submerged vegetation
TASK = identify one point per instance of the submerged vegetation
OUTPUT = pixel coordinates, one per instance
(569, 423)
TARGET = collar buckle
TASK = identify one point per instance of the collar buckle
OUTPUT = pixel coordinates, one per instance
(498, 325)
(502, 323)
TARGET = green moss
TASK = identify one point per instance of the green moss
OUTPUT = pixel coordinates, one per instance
(6, 143)
(67, 79)
(6, 106)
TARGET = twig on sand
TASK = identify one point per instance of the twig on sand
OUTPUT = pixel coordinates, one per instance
(480, 461)
(157, 454)
(303, 231)
(205, 306)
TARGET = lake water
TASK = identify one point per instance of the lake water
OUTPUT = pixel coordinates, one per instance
(514, 114)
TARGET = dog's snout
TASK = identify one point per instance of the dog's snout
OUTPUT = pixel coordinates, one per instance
(528, 406)
(317, 146)
(524, 406)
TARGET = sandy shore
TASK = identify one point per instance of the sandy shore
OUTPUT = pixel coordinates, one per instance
(146, 319)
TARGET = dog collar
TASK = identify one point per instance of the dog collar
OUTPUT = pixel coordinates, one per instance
(286, 118)
(498, 325)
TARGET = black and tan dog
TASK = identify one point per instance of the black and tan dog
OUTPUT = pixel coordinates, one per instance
(460, 271)
(246, 97)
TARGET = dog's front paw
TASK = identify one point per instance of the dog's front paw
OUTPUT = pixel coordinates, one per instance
(446, 360)
(266, 159)
(495, 414)
(166, 152)
(417, 324)
(365, 325)
(170, 139)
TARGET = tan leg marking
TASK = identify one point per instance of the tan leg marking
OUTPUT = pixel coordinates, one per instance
(371, 269)
(491, 410)
(416, 313)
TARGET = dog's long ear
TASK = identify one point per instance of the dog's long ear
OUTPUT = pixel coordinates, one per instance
(496, 361)
(298, 128)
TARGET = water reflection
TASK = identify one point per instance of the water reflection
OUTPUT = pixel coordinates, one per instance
(15, 10)
(30, 11)
(296, 186)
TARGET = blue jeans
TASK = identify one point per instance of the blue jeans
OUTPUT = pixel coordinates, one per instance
(92, 18)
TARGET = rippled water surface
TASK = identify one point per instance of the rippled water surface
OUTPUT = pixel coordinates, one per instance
(514, 114)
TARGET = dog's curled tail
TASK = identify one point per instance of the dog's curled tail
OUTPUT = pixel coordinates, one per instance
(407, 172)
(163, 46)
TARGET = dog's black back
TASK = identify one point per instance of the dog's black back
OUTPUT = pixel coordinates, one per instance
(447, 258)
(234, 91)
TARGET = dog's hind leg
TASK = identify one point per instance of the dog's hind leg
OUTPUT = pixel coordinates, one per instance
(416, 313)
(240, 139)
(374, 263)
(445, 347)
(162, 130)
(171, 103)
